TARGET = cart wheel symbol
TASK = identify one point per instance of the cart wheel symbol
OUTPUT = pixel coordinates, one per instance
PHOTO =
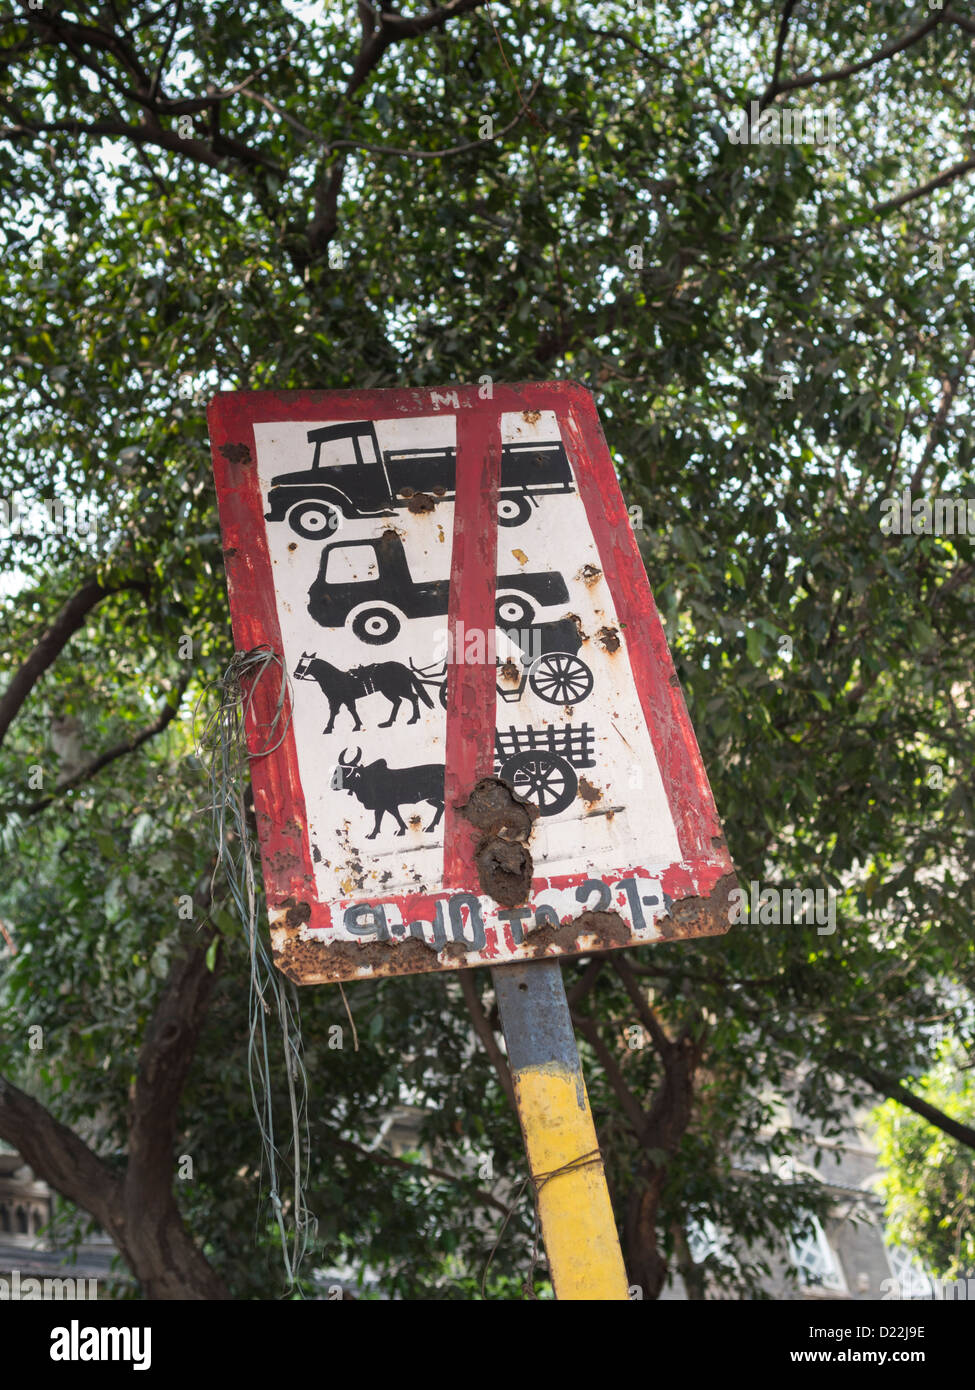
(547, 780)
(561, 679)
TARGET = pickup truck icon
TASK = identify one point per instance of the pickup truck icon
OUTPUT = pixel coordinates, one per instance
(370, 582)
(350, 476)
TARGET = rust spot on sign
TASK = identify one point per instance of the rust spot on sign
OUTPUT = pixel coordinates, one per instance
(305, 961)
(282, 859)
(502, 857)
(421, 502)
(509, 671)
(440, 492)
(608, 638)
(495, 809)
(531, 417)
(236, 453)
(699, 916)
(293, 545)
(608, 928)
(504, 868)
(297, 912)
(588, 792)
(589, 574)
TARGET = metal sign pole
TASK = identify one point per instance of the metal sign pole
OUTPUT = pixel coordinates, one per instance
(566, 1166)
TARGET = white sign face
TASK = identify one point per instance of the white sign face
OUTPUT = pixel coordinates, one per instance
(350, 580)
(600, 793)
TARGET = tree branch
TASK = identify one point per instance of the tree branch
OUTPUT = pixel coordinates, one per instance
(414, 153)
(949, 388)
(68, 621)
(377, 36)
(647, 1017)
(149, 1228)
(149, 135)
(120, 750)
(773, 87)
(164, 1062)
(818, 79)
(58, 1156)
(485, 1032)
(578, 991)
(896, 1090)
(628, 1101)
(956, 171)
(417, 1169)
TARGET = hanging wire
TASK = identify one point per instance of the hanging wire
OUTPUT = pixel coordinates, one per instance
(222, 749)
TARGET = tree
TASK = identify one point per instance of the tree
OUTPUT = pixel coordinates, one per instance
(780, 337)
(928, 1178)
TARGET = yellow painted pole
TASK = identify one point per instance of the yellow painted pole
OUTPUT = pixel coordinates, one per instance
(576, 1215)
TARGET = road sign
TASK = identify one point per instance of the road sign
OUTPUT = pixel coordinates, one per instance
(488, 758)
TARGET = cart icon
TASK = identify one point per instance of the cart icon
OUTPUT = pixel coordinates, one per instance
(540, 764)
(549, 665)
(554, 670)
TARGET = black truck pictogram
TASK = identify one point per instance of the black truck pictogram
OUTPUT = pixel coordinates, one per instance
(384, 590)
(350, 476)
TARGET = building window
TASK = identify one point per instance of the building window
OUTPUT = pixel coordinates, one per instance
(819, 1269)
(703, 1239)
(912, 1281)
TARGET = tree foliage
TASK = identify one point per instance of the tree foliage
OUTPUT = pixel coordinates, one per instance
(780, 338)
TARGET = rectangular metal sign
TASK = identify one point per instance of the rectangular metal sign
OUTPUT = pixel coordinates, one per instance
(487, 755)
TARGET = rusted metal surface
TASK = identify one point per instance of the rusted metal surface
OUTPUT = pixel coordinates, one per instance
(236, 453)
(420, 502)
(575, 813)
(588, 792)
(502, 857)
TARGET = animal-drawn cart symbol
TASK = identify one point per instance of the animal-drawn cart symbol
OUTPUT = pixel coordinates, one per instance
(389, 678)
(550, 666)
(554, 670)
(540, 764)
